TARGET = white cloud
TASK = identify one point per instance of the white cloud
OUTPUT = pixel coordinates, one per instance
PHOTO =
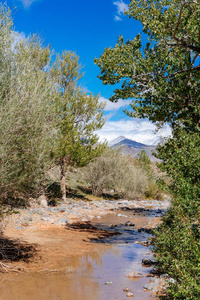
(27, 3)
(139, 130)
(121, 8)
(113, 106)
(117, 18)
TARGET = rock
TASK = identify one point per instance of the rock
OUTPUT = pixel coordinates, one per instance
(145, 243)
(147, 262)
(42, 200)
(61, 209)
(151, 287)
(147, 230)
(112, 226)
(84, 220)
(129, 295)
(135, 275)
(30, 219)
(126, 290)
(19, 227)
(37, 212)
(108, 282)
(129, 223)
(25, 224)
(61, 221)
(120, 215)
(47, 219)
(164, 276)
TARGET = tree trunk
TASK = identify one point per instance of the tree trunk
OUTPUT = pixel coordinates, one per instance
(62, 179)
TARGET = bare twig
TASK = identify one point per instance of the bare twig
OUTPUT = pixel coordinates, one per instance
(5, 267)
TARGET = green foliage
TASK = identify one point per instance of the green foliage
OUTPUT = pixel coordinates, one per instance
(177, 242)
(177, 248)
(26, 111)
(163, 75)
(181, 160)
(144, 160)
(45, 117)
(79, 114)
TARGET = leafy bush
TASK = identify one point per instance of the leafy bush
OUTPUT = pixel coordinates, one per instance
(177, 248)
(177, 242)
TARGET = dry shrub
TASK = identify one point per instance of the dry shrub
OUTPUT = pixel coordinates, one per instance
(113, 171)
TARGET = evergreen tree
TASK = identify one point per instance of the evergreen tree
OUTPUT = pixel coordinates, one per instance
(79, 116)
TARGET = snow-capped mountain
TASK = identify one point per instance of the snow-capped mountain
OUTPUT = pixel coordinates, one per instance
(141, 131)
(130, 147)
(124, 141)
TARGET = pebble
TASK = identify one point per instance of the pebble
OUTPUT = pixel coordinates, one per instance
(129, 295)
(61, 221)
(120, 215)
(108, 282)
(135, 275)
(129, 223)
(126, 290)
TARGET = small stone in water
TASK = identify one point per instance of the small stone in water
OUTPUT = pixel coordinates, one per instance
(147, 262)
(126, 290)
(129, 295)
(108, 282)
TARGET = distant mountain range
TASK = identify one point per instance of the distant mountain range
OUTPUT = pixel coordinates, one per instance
(129, 147)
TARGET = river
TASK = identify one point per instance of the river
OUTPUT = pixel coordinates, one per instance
(85, 276)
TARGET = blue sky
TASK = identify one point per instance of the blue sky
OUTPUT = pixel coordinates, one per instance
(85, 27)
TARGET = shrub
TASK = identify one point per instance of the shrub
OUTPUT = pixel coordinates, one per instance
(113, 171)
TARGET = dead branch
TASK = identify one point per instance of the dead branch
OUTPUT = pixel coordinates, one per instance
(6, 267)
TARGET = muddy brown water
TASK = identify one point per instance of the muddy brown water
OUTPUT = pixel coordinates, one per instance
(84, 277)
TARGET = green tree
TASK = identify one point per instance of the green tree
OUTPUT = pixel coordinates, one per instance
(144, 160)
(79, 116)
(26, 110)
(163, 74)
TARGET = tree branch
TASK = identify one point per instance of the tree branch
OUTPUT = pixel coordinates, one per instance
(168, 76)
(181, 41)
(183, 71)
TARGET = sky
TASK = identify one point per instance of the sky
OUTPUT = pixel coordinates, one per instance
(86, 27)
